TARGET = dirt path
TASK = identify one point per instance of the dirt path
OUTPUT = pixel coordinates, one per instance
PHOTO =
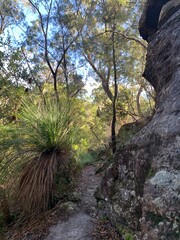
(72, 220)
(80, 224)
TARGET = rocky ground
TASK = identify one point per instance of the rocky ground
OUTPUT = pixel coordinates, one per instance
(84, 222)
(75, 219)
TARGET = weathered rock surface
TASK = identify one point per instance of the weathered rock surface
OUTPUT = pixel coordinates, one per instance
(79, 226)
(141, 189)
(149, 20)
(168, 10)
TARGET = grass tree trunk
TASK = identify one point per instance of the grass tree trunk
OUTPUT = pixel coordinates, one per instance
(4, 206)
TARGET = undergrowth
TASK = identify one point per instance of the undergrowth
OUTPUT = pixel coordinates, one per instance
(33, 151)
(87, 158)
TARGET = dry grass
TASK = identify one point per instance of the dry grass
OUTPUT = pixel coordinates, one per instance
(37, 183)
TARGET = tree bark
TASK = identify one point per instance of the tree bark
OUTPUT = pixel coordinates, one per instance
(113, 126)
(138, 101)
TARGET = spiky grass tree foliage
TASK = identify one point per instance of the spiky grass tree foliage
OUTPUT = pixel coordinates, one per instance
(35, 150)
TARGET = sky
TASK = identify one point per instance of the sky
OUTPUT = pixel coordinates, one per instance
(17, 32)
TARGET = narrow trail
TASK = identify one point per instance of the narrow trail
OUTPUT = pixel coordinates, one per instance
(80, 224)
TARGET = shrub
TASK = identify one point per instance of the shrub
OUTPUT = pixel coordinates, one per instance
(33, 151)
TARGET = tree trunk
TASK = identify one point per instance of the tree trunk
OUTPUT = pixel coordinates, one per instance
(138, 101)
(113, 126)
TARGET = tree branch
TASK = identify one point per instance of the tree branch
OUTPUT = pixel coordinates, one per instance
(45, 31)
(105, 82)
(123, 35)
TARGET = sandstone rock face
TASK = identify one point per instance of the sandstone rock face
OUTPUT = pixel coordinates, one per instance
(168, 10)
(149, 20)
(141, 189)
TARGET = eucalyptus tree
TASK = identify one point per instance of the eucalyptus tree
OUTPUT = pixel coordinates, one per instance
(10, 14)
(112, 48)
(51, 37)
(13, 70)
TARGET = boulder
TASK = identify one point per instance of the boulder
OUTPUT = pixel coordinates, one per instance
(128, 130)
(141, 189)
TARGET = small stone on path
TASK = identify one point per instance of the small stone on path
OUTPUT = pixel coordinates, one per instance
(77, 227)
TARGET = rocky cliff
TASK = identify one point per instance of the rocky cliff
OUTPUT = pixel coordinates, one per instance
(141, 190)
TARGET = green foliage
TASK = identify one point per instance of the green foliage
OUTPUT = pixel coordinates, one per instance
(89, 128)
(91, 134)
(14, 77)
(14, 67)
(49, 125)
(129, 236)
(41, 134)
(87, 158)
(9, 101)
(40, 128)
(151, 173)
(125, 232)
(34, 150)
(126, 106)
(9, 11)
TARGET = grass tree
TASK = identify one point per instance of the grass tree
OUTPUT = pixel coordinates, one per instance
(33, 151)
